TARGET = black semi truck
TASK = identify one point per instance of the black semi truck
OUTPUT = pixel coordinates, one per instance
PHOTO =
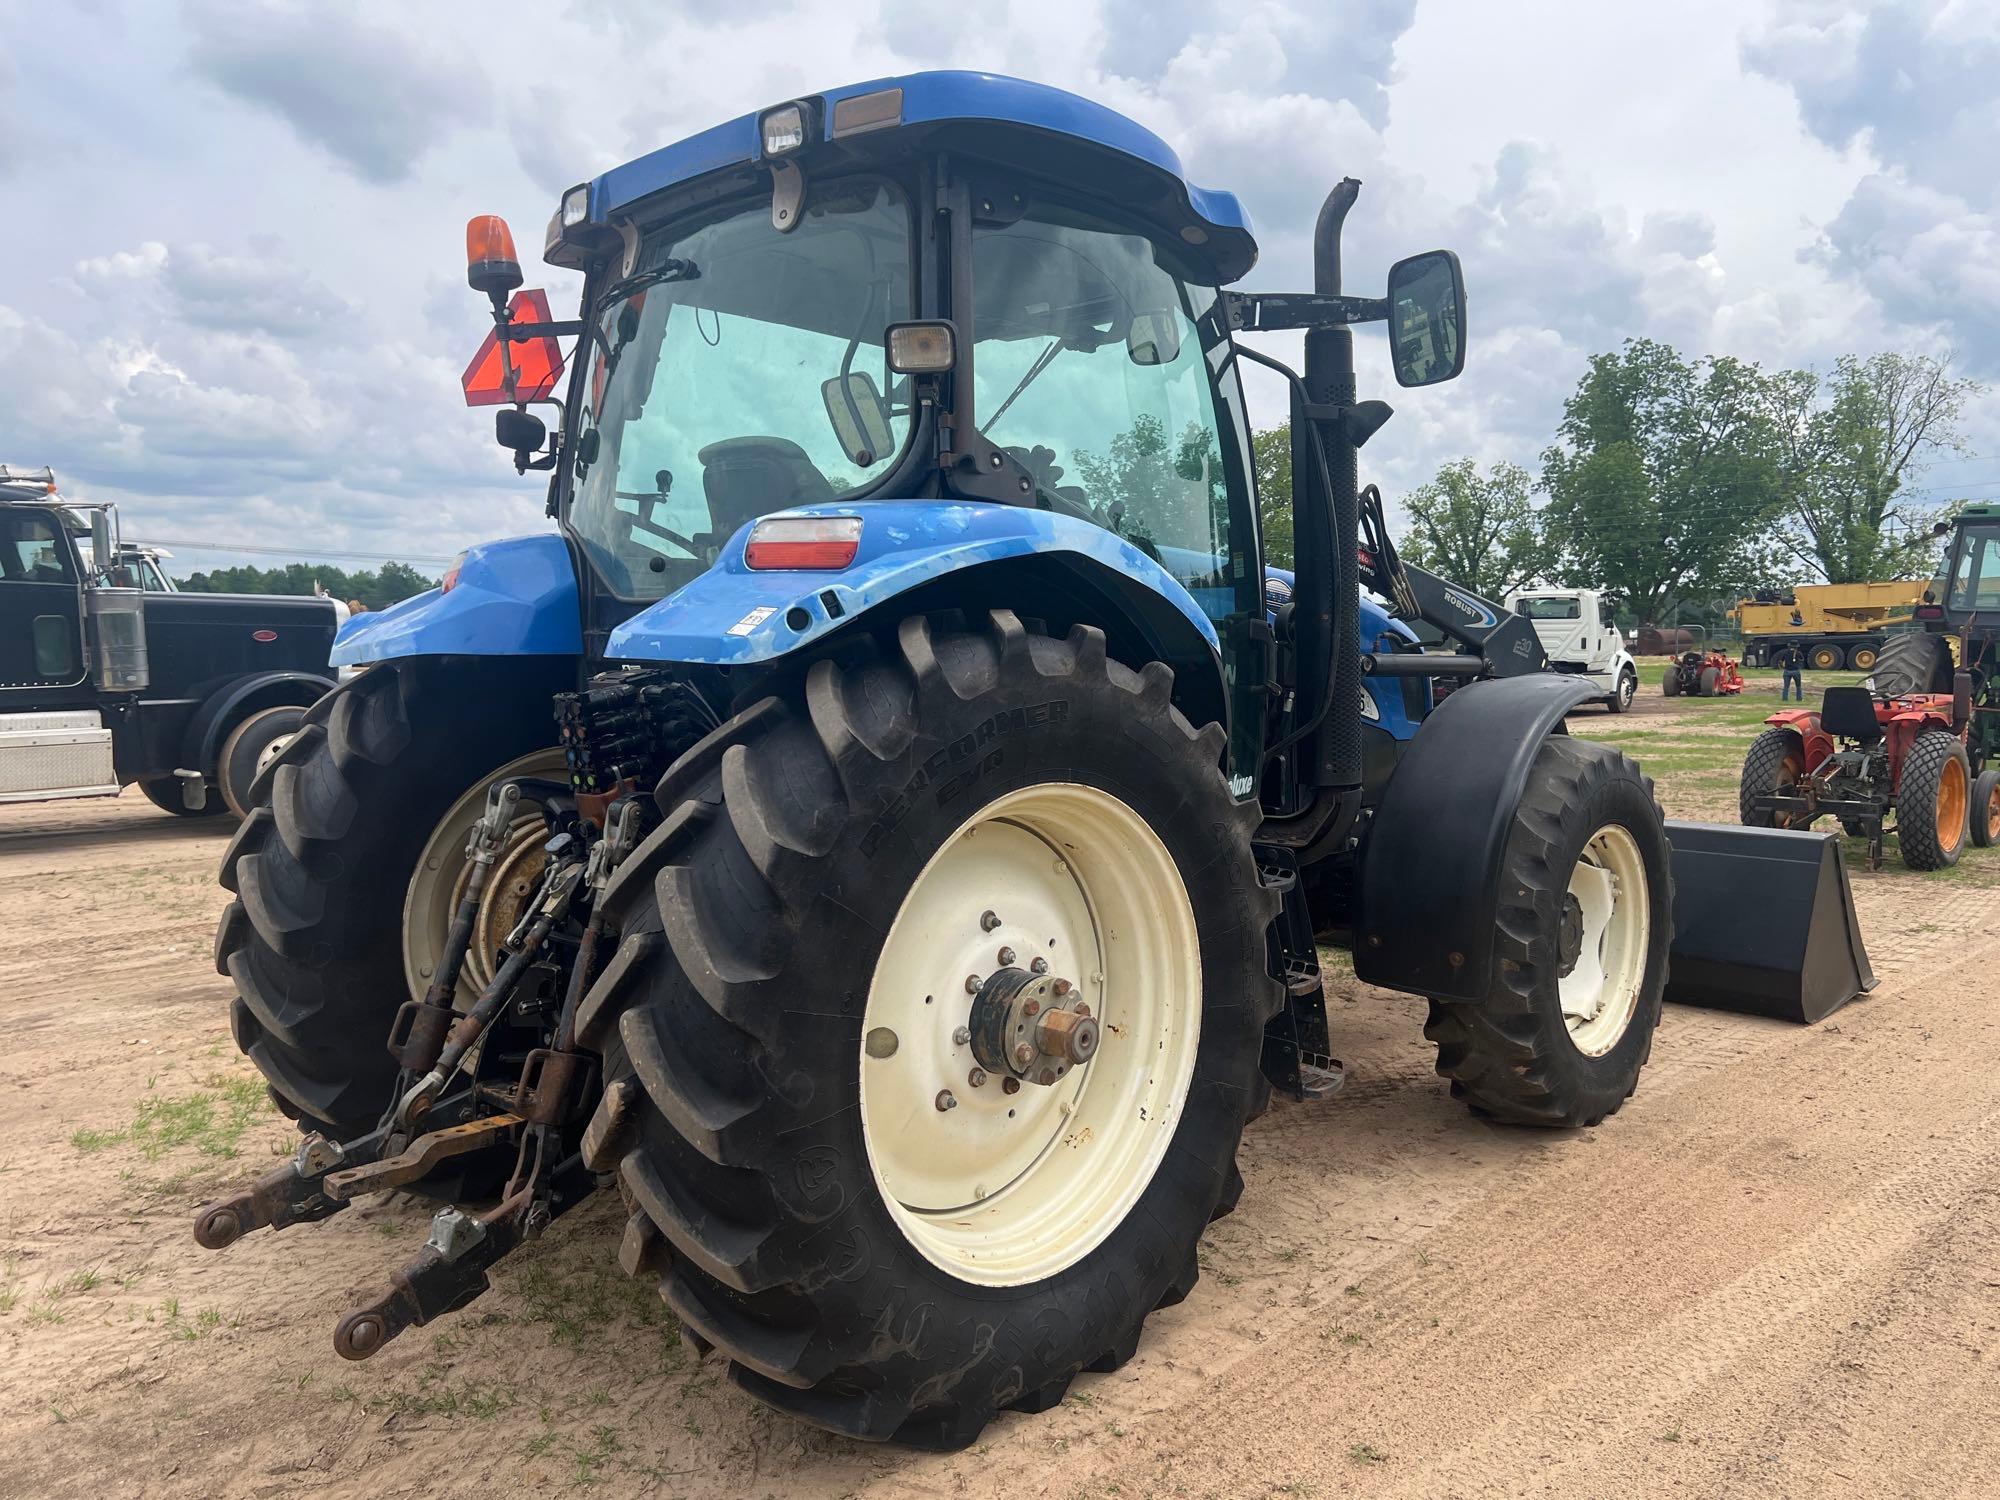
(104, 683)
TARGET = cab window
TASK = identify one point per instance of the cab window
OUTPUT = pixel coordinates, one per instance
(30, 549)
(1549, 609)
(1975, 582)
(1096, 364)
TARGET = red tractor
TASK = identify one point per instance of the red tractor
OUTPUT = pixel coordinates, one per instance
(1701, 671)
(1865, 753)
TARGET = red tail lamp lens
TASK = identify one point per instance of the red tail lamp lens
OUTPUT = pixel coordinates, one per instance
(1930, 612)
(808, 543)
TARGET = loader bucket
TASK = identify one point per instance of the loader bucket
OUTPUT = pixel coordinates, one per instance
(1764, 923)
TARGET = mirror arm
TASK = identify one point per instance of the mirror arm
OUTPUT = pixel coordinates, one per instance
(520, 333)
(1263, 312)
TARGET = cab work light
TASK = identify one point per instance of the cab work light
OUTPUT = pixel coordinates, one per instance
(783, 129)
(814, 543)
(921, 348)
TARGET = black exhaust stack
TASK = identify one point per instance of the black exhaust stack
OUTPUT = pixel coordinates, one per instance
(1764, 923)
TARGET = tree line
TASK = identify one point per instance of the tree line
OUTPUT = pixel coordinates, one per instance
(1674, 481)
(376, 588)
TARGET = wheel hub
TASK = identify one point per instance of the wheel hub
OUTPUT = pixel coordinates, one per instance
(1032, 1027)
(1569, 937)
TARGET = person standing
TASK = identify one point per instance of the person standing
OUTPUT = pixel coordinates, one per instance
(1790, 659)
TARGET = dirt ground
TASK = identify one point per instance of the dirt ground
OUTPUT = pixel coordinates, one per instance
(1776, 1272)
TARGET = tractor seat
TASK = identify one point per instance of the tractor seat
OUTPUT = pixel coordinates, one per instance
(1848, 713)
(744, 478)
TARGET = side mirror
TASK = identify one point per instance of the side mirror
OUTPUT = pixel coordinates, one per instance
(859, 415)
(1153, 339)
(103, 555)
(1427, 318)
(522, 431)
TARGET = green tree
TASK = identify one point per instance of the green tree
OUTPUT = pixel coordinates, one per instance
(395, 581)
(1665, 477)
(1849, 442)
(1271, 458)
(1481, 532)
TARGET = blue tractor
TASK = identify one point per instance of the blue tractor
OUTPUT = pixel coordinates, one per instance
(885, 829)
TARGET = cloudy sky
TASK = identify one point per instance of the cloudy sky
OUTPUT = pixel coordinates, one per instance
(231, 286)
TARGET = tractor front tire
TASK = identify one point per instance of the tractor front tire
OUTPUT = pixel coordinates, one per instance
(1986, 808)
(1580, 947)
(1671, 683)
(1932, 801)
(887, 1236)
(320, 868)
(1773, 767)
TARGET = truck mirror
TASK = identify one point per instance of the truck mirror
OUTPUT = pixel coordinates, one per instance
(103, 554)
(1427, 318)
(522, 431)
(1153, 339)
(859, 415)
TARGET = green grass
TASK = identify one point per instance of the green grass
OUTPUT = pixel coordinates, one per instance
(212, 1121)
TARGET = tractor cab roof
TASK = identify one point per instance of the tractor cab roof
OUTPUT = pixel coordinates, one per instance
(1014, 124)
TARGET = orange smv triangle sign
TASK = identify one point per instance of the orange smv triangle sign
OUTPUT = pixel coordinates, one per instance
(535, 363)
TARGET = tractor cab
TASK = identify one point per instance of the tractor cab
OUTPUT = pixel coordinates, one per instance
(942, 288)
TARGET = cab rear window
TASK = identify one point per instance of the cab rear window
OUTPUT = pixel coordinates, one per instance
(1548, 609)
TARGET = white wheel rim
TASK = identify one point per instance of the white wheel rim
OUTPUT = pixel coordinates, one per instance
(268, 754)
(1005, 1189)
(438, 881)
(1601, 991)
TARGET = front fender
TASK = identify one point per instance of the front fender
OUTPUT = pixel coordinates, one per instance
(732, 616)
(1430, 870)
(201, 741)
(516, 597)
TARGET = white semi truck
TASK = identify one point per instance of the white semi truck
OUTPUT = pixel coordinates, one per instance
(1580, 638)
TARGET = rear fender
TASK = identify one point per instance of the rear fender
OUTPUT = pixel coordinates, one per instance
(516, 597)
(1815, 744)
(1430, 867)
(734, 616)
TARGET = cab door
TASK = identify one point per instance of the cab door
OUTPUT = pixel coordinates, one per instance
(41, 606)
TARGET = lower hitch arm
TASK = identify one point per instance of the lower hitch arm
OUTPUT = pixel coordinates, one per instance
(293, 1194)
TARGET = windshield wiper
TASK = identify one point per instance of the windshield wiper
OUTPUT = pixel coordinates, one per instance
(665, 271)
(1042, 362)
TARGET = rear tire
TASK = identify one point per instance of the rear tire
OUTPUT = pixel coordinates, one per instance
(321, 866)
(249, 748)
(756, 927)
(1824, 658)
(1519, 1054)
(165, 793)
(1914, 663)
(1932, 800)
(1775, 763)
(1671, 683)
(1710, 680)
(1986, 808)
(1863, 658)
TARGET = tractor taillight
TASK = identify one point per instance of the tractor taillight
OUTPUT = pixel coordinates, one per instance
(815, 543)
(1930, 612)
(450, 579)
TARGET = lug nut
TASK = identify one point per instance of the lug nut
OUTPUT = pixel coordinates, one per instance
(1031, 1008)
(972, 983)
(1047, 1075)
(1023, 1055)
(1006, 957)
(961, 1036)
(1062, 987)
(1039, 966)
(988, 921)
(977, 1078)
(945, 1100)
(1010, 1085)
